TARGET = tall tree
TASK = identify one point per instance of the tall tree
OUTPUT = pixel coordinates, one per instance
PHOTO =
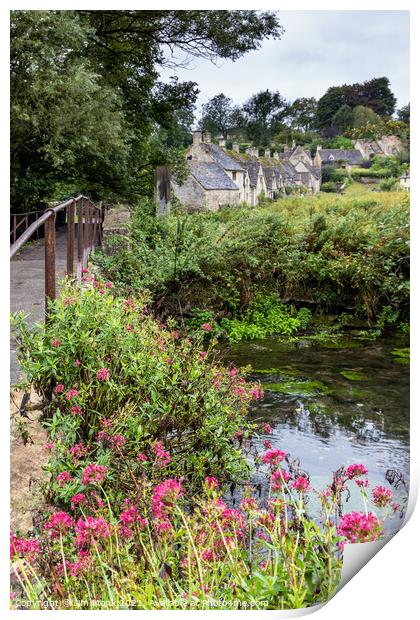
(363, 116)
(343, 118)
(263, 114)
(218, 115)
(301, 114)
(403, 114)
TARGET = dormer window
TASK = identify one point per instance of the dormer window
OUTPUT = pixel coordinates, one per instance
(331, 157)
(234, 176)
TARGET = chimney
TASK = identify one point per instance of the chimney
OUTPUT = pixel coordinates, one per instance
(222, 142)
(207, 137)
(286, 148)
(318, 148)
(276, 155)
(197, 138)
(249, 151)
(341, 148)
(293, 144)
(235, 147)
(255, 152)
(267, 153)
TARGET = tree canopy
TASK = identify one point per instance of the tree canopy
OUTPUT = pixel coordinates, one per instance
(88, 110)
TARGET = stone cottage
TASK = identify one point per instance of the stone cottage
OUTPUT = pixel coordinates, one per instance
(220, 177)
(405, 180)
(344, 158)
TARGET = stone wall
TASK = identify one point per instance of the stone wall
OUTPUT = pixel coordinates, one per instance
(116, 222)
(191, 194)
(217, 198)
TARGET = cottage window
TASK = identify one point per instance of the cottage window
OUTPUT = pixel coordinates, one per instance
(234, 176)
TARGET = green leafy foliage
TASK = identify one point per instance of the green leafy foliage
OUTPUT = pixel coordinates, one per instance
(337, 252)
(103, 359)
(266, 316)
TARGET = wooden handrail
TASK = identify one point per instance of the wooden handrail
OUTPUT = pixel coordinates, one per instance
(89, 234)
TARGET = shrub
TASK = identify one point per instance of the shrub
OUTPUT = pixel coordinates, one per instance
(330, 187)
(112, 373)
(389, 185)
(265, 316)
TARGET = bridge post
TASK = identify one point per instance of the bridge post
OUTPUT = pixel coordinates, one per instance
(162, 190)
(49, 261)
(70, 238)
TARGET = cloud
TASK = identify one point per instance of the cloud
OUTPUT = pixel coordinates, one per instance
(319, 49)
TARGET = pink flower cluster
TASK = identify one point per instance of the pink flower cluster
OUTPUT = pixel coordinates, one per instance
(93, 473)
(273, 457)
(78, 499)
(90, 530)
(278, 479)
(266, 428)
(206, 327)
(64, 478)
(103, 374)
(356, 470)
(59, 523)
(24, 547)
(165, 496)
(359, 527)
(301, 484)
(55, 343)
(163, 457)
(381, 496)
(113, 441)
(211, 483)
(78, 451)
(59, 388)
(130, 517)
(72, 393)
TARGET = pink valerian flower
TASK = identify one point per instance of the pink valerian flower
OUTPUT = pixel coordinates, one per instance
(59, 523)
(257, 393)
(130, 517)
(395, 507)
(48, 447)
(59, 388)
(233, 372)
(239, 391)
(84, 270)
(231, 518)
(208, 555)
(108, 284)
(72, 393)
(248, 504)
(78, 451)
(55, 343)
(356, 470)
(163, 457)
(301, 484)
(202, 355)
(81, 566)
(273, 457)
(128, 303)
(358, 527)
(93, 473)
(163, 526)
(142, 457)
(381, 496)
(103, 374)
(217, 384)
(266, 428)
(91, 530)
(211, 483)
(362, 483)
(278, 479)
(206, 327)
(266, 519)
(165, 496)
(76, 410)
(24, 547)
(267, 444)
(64, 478)
(118, 441)
(175, 335)
(77, 362)
(78, 499)
(106, 423)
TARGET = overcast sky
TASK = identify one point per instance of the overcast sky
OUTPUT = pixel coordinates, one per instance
(319, 49)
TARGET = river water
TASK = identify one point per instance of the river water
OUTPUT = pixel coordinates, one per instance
(343, 402)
